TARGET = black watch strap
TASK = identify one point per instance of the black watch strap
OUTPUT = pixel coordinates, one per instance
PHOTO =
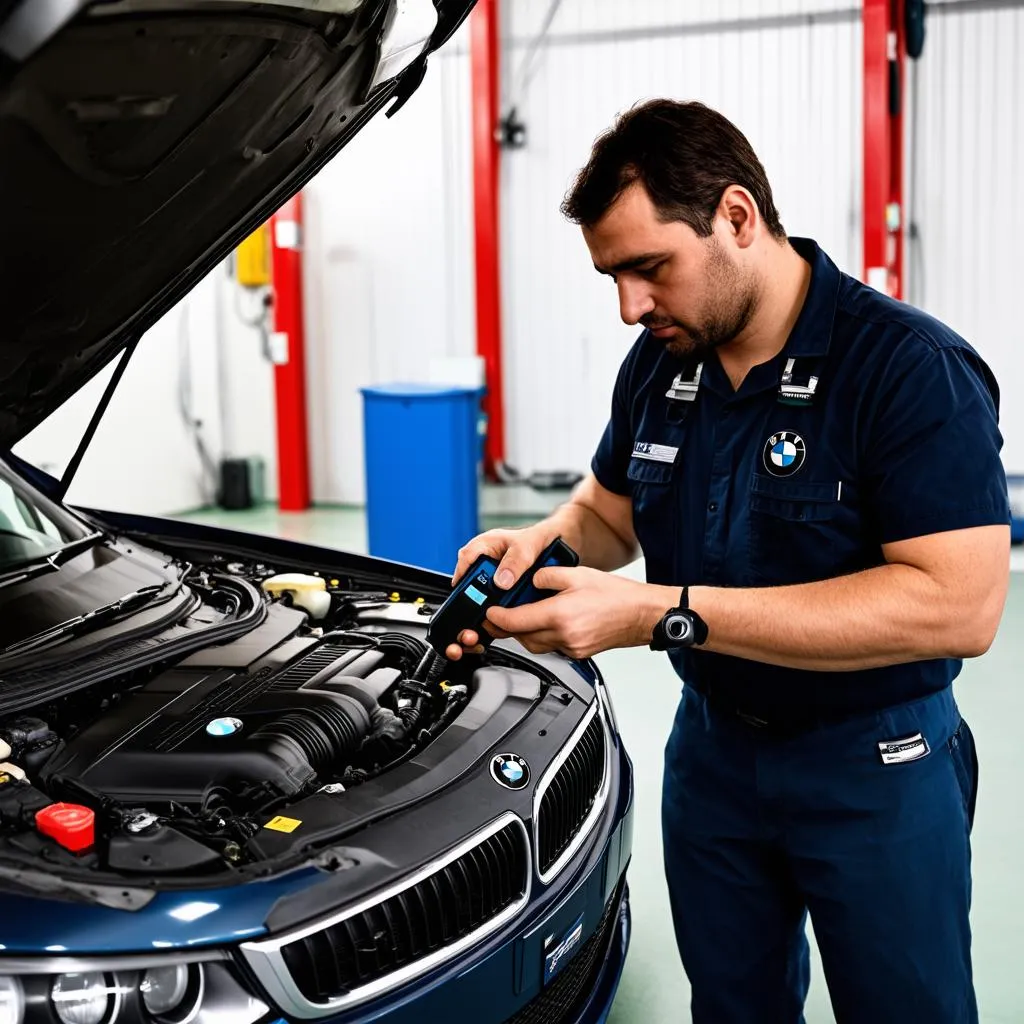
(679, 627)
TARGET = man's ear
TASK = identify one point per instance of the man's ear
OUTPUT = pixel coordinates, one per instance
(740, 215)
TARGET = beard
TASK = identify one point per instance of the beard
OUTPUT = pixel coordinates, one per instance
(733, 302)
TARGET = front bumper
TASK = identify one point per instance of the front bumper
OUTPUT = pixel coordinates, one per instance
(557, 961)
(503, 981)
(584, 993)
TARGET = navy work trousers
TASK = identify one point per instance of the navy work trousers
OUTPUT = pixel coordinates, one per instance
(761, 828)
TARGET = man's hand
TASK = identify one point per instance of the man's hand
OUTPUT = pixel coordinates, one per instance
(595, 523)
(593, 611)
(515, 551)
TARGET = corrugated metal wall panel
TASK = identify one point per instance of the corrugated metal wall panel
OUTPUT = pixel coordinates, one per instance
(788, 72)
(389, 286)
(968, 204)
(794, 90)
(628, 16)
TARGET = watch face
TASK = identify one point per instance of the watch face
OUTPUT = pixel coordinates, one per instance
(678, 628)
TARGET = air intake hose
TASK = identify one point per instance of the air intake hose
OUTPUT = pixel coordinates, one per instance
(325, 732)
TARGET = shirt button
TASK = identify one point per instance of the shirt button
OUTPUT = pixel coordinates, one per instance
(713, 507)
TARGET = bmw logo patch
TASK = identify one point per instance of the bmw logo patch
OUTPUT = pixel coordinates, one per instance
(784, 453)
(510, 771)
(224, 726)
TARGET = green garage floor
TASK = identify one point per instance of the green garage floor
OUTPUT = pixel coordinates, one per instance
(645, 690)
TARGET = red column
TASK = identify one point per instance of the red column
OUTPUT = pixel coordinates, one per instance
(884, 60)
(288, 350)
(486, 162)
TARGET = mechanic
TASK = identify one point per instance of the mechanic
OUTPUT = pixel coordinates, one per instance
(812, 473)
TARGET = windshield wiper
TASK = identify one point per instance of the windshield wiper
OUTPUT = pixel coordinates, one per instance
(90, 620)
(51, 562)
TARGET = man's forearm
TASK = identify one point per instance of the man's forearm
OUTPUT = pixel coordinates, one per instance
(882, 616)
(597, 544)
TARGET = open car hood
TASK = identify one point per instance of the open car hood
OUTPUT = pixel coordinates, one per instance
(142, 140)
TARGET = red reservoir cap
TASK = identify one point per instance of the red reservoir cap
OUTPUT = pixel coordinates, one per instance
(71, 825)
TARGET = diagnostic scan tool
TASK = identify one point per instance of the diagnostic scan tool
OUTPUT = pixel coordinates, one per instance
(467, 605)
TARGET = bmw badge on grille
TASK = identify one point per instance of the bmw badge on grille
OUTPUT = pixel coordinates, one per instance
(510, 771)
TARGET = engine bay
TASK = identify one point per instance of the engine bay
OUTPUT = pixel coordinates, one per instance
(194, 764)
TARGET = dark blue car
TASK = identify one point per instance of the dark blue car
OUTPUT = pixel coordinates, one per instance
(236, 783)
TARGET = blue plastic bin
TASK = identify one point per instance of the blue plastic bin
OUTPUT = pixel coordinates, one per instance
(422, 451)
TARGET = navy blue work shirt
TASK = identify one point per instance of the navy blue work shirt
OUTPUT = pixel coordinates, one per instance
(754, 487)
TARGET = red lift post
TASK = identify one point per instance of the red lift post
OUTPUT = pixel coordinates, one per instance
(486, 178)
(289, 357)
(884, 62)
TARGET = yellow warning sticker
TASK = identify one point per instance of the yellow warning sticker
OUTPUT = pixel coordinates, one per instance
(283, 824)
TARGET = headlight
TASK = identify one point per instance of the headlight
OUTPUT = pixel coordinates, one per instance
(12, 1001)
(174, 989)
(173, 994)
(83, 998)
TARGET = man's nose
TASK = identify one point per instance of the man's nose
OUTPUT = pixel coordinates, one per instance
(634, 301)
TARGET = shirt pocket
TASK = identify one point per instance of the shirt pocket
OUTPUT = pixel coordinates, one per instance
(654, 515)
(792, 535)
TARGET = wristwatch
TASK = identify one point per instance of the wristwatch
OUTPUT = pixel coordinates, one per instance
(679, 627)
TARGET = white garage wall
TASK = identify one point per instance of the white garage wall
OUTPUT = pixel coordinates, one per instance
(390, 246)
(792, 85)
(389, 261)
(144, 458)
(388, 266)
(969, 203)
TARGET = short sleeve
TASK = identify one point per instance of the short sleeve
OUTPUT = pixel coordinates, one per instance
(610, 463)
(932, 459)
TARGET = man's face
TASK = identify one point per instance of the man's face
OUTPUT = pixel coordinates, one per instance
(691, 292)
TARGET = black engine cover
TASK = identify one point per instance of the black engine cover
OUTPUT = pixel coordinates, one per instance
(195, 729)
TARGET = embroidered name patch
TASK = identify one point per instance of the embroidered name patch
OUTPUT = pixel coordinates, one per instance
(910, 748)
(654, 452)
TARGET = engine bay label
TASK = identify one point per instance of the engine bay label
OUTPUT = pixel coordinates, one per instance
(282, 824)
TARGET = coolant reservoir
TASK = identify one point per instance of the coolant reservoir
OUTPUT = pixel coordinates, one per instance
(308, 592)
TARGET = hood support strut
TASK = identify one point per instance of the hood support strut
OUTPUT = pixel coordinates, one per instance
(90, 431)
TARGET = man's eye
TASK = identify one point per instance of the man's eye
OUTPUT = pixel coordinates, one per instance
(651, 271)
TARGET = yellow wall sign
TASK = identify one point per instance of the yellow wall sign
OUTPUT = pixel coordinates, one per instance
(283, 824)
(253, 259)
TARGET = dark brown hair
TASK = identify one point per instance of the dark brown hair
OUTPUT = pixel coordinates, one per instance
(684, 154)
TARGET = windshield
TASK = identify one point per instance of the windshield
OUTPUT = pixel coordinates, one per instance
(31, 526)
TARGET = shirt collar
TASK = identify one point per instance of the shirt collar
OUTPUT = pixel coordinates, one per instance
(810, 336)
(812, 332)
